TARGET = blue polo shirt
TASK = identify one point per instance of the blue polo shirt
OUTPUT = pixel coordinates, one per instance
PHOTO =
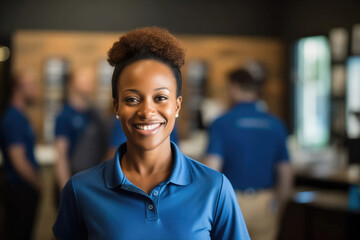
(16, 129)
(117, 136)
(195, 203)
(251, 142)
(70, 124)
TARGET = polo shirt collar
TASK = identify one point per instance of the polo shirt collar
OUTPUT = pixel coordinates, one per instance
(181, 174)
(246, 105)
(114, 176)
(17, 111)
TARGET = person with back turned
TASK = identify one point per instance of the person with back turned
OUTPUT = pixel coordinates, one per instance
(81, 134)
(22, 177)
(249, 146)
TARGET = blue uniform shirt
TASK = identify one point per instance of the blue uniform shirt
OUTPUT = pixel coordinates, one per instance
(195, 203)
(70, 124)
(117, 136)
(15, 129)
(251, 142)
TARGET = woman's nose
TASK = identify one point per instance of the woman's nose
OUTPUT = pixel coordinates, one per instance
(147, 110)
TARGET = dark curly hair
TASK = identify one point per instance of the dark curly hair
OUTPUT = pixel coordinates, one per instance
(243, 79)
(146, 43)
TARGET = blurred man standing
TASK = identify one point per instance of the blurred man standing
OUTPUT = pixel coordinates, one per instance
(22, 178)
(249, 146)
(81, 134)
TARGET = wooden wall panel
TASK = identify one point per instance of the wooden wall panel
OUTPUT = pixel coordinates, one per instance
(221, 53)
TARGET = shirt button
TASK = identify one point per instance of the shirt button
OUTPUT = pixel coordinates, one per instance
(155, 193)
(151, 207)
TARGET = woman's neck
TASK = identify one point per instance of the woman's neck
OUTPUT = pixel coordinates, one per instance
(147, 162)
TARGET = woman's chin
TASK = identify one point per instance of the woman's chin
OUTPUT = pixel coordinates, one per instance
(148, 143)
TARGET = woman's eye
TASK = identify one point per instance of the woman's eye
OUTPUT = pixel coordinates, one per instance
(131, 100)
(161, 98)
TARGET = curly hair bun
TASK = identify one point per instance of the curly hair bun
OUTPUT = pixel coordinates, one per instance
(150, 40)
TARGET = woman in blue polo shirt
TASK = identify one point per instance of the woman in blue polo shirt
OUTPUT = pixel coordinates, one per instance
(149, 190)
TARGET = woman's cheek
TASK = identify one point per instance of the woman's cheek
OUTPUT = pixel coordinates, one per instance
(169, 110)
(126, 113)
(126, 110)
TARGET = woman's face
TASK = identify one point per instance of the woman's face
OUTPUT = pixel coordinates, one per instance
(147, 104)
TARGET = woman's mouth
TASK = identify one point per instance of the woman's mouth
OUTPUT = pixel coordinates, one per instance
(148, 128)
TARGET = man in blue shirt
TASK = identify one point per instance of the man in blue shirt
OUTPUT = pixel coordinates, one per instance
(249, 146)
(22, 177)
(81, 135)
(195, 203)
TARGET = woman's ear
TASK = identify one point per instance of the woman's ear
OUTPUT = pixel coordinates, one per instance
(178, 105)
(116, 105)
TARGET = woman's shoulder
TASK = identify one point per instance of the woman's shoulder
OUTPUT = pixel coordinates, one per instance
(91, 176)
(201, 172)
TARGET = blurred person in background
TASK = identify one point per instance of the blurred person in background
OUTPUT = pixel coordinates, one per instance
(22, 177)
(249, 146)
(81, 133)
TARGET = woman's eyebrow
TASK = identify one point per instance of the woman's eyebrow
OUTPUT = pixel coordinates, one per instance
(131, 90)
(137, 91)
(162, 88)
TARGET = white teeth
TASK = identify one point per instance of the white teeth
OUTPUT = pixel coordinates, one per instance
(147, 127)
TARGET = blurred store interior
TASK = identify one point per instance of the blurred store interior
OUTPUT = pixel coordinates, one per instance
(307, 52)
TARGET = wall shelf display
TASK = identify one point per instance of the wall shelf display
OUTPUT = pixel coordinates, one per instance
(355, 46)
(104, 95)
(338, 118)
(339, 40)
(56, 71)
(196, 75)
(338, 86)
(312, 92)
(338, 75)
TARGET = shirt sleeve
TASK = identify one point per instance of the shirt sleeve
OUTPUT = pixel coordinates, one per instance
(69, 223)
(215, 145)
(229, 223)
(13, 133)
(117, 136)
(62, 127)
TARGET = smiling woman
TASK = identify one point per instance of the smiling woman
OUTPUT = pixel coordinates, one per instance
(149, 190)
(147, 103)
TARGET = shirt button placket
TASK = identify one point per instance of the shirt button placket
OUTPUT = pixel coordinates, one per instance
(151, 211)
